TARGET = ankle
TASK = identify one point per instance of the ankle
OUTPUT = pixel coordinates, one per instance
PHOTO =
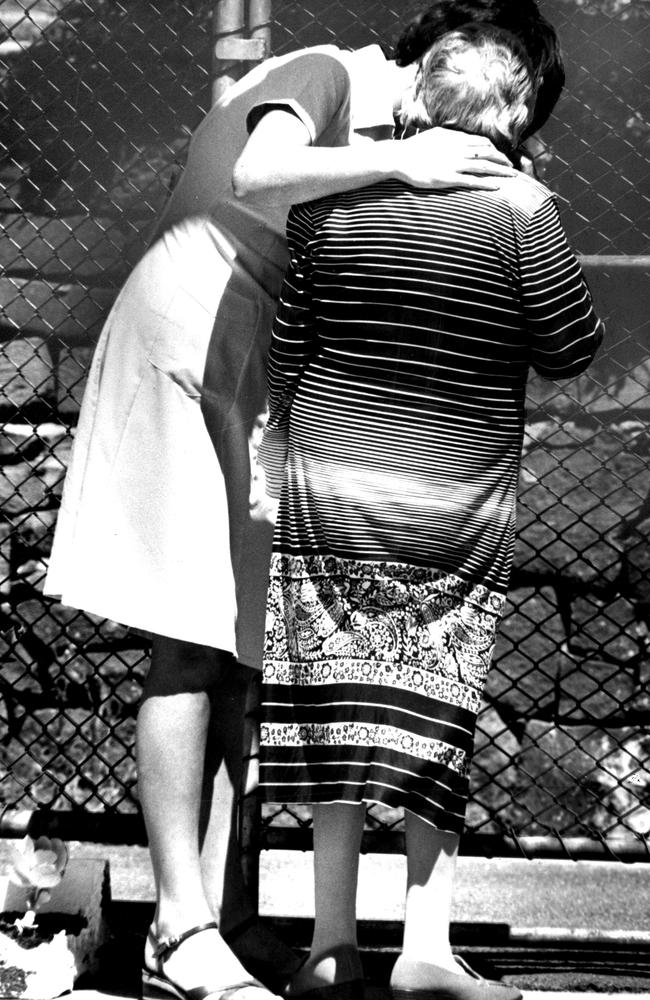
(328, 964)
(329, 945)
(174, 922)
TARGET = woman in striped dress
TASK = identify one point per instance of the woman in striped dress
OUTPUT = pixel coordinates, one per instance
(398, 368)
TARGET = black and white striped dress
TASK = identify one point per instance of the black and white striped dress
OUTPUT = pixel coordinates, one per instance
(400, 353)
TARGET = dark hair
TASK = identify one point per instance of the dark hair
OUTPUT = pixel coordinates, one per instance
(478, 79)
(520, 17)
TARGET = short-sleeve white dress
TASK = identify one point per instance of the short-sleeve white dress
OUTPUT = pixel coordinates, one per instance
(154, 529)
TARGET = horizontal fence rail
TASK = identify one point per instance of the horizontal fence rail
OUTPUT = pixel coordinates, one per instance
(98, 99)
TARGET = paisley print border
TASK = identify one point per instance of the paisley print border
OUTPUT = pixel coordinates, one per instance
(295, 566)
(332, 619)
(373, 673)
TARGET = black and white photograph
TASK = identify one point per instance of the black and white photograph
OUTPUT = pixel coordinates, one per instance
(325, 499)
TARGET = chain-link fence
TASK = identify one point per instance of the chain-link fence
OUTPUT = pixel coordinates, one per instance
(98, 100)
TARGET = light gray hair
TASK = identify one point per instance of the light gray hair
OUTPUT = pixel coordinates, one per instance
(478, 79)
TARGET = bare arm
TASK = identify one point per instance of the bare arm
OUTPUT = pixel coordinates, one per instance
(279, 166)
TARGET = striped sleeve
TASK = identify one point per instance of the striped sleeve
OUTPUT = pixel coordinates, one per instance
(293, 343)
(559, 314)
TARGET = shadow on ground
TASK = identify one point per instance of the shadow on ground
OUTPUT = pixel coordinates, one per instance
(549, 967)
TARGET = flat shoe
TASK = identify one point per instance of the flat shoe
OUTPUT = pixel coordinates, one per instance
(445, 985)
(466, 967)
(156, 985)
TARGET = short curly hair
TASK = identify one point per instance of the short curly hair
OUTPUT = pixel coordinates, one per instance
(478, 79)
(520, 17)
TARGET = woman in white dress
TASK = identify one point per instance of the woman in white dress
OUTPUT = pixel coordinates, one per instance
(155, 529)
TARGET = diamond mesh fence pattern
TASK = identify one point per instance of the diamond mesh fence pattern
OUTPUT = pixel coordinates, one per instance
(98, 99)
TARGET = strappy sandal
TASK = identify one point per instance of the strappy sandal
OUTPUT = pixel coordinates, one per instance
(156, 985)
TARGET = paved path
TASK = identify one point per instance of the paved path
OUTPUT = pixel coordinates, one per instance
(596, 896)
(600, 897)
(536, 903)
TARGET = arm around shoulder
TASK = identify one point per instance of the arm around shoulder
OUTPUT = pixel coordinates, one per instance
(279, 165)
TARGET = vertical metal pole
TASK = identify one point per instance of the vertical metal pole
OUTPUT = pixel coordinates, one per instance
(259, 21)
(229, 22)
(250, 811)
(238, 43)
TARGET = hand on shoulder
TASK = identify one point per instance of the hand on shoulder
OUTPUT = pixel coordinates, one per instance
(446, 158)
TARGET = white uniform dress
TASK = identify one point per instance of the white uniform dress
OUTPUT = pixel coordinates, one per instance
(155, 529)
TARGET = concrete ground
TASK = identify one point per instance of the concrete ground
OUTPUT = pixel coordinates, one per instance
(527, 895)
(555, 928)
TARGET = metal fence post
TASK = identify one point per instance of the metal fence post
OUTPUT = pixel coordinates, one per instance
(259, 22)
(250, 811)
(229, 22)
(233, 52)
(233, 55)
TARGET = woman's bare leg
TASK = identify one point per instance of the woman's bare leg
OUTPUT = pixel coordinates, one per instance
(171, 739)
(431, 866)
(337, 841)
